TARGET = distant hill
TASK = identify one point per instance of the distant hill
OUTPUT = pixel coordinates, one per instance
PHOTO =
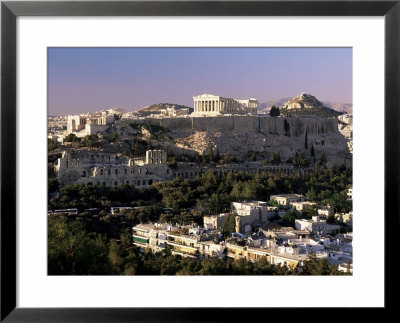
(306, 105)
(341, 107)
(156, 108)
(264, 107)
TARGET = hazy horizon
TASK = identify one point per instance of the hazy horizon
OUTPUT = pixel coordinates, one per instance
(84, 80)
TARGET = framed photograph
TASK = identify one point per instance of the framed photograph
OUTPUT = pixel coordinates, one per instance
(155, 149)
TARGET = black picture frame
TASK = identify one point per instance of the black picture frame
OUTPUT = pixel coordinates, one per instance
(10, 10)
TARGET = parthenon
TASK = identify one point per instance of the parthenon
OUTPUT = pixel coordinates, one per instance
(212, 105)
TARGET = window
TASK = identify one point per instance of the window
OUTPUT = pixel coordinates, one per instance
(109, 171)
(116, 172)
(144, 182)
(101, 172)
(115, 183)
(126, 171)
(84, 174)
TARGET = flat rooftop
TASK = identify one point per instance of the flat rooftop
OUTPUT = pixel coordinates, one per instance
(288, 195)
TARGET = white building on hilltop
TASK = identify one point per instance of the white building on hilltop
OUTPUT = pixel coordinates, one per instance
(91, 123)
(213, 105)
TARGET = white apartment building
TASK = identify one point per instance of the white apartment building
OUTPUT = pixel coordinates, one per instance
(249, 215)
(286, 199)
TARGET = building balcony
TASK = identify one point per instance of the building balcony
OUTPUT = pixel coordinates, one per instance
(180, 244)
(140, 239)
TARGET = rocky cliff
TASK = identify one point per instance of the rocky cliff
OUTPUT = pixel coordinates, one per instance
(241, 135)
(283, 126)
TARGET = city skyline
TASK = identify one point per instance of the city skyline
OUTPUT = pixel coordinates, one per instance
(90, 79)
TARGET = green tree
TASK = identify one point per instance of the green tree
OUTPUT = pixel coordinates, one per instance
(229, 224)
(300, 160)
(242, 266)
(90, 141)
(342, 167)
(314, 266)
(71, 138)
(306, 141)
(53, 184)
(210, 154)
(289, 218)
(114, 137)
(322, 159)
(72, 251)
(116, 256)
(275, 158)
(51, 144)
(274, 112)
(287, 128)
(136, 148)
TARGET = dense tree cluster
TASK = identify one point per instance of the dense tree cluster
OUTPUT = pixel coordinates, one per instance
(71, 138)
(89, 141)
(51, 145)
(97, 196)
(300, 160)
(208, 194)
(275, 158)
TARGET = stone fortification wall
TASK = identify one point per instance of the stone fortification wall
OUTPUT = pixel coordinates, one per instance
(299, 126)
(92, 129)
(296, 126)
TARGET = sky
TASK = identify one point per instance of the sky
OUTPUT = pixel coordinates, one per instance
(84, 80)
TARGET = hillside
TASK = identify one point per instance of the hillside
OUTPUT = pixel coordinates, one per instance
(307, 105)
(264, 107)
(156, 108)
(346, 108)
